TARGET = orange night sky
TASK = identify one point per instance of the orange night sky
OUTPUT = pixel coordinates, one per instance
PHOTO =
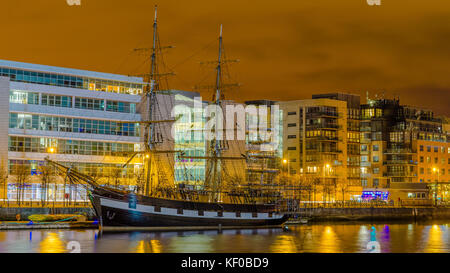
(288, 49)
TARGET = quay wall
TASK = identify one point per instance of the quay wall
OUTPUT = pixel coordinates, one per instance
(315, 214)
(9, 214)
(374, 214)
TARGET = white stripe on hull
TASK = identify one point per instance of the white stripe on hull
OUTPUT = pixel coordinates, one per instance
(186, 213)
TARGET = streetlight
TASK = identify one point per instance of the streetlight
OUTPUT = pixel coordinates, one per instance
(326, 169)
(285, 161)
(51, 150)
(436, 171)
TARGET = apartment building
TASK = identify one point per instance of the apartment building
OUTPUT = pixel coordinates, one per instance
(315, 145)
(404, 150)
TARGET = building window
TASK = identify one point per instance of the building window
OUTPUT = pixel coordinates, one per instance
(121, 107)
(436, 149)
(376, 159)
(364, 182)
(421, 148)
(57, 101)
(63, 124)
(421, 171)
(375, 147)
(376, 182)
(63, 146)
(292, 113)
(292, 136)
(376, 170)
(90, 104)
(421, 159)
(292, 124)
(292, 148)
(17, 75)
(428, 148)
(23, 97)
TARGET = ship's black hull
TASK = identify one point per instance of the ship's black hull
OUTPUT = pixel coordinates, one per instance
(121, 212)
(139, 219)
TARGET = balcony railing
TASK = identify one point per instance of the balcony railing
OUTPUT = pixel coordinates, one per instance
(399, 151)
(323, 114)
(322, 126)
(400, 162)
(401, 174)
(323, 138)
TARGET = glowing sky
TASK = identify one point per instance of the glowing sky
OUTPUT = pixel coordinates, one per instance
(287, 49)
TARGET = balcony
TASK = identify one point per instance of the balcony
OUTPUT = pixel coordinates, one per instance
(322, 138)
(322, 126)
(318, 150)
(322, 114)
(399, 162)
(399, 151)
(401, 174)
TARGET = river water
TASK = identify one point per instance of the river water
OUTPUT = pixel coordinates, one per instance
(324, 237)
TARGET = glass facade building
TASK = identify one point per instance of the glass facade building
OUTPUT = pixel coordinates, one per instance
(83, 119)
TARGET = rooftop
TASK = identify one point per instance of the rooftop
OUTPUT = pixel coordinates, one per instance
(69, 71)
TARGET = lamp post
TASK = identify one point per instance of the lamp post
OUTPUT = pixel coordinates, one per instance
(325, 169)
(286, 161)
(436, 171)
(52, 150)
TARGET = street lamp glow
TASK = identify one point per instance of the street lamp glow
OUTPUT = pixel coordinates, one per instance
(284, 161)
(51, 150)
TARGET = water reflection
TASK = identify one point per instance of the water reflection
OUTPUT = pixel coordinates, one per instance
(435, 239)
(284, 244)
(329, 241)
(150, 246)
(331, 237)
(52, 243)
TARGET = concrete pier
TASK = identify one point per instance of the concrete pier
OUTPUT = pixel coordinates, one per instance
(10, 213)
(374, 214)
(9, 225)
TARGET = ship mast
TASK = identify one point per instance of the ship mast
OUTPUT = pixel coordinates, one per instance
(150, 99)
(217, 175)
(215, 147)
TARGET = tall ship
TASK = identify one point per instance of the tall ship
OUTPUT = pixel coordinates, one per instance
(221, 200)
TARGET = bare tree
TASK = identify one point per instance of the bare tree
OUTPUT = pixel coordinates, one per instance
(4, 179)
(22, 176)
(46, 175)
(344, 186)
(139, 179)
(114, 175)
